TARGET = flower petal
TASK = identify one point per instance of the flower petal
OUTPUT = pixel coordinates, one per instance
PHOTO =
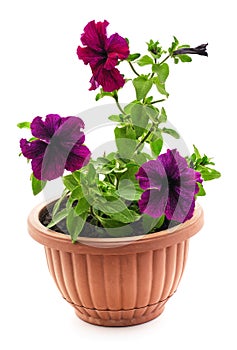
(61, 144)
(94, 84)
(52, 164)
(152, 175)
(181, 200)
(78, 157)
(36, 165)
(111, 62)
(68, 134)
(180, 210)
(44, 130)
(173, 163)
(89, 55)
(32, 149)
(79, 121)
(110, 80)
(152, 203)
(94, 35)
(117, 46)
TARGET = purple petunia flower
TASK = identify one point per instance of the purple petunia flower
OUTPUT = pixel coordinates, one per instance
(102, 53)
(59, 146)
(170, 187)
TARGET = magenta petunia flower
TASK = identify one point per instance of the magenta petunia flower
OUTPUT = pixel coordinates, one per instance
(102, 54)
(170, 187)
(59, 146)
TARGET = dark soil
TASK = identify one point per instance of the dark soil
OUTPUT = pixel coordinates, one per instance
(93, 231)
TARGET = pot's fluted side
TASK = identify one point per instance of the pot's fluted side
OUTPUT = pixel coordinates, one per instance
(118, 290)
(117, 281)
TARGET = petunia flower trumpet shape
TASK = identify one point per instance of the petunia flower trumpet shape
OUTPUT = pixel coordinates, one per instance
(59, 146)
(102, 53)
(199, 50)
(169, 187)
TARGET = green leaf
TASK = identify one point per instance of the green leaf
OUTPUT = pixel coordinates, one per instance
(162, 71)
(145, 60)
(184, 58)
(196, 152)
(171, 132)
(23, 125)
(156, 146)
(116, 209)
(208, 173)
(148, 100)
(91, 174)
(142, 86)
(183, 46)
(127, 216)
(58, 217)
(75, 223)
(155, 49)
(70, 182)
(150, 224)
(152, 112)
(102, 94)
(129, 190)
(110, 205)
(163, 116)
(32, 139)
(140, 158)
(160, 87)
(110, 223)
(59, 202)
(201, 191)
(116, 118)
(37, 185)
(174, 45)
(130, 173)
(133, 57)
(139, 118)
(125, 138)
(128, 107)
(116, 228)
(77, 193)
(176, 60)
(82, 206)
(111, 156)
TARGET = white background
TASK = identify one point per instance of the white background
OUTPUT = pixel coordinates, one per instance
(40, 74)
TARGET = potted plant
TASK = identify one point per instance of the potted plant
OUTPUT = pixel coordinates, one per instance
(116, 241)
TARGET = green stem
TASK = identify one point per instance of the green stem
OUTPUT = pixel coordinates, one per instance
(144, 138)
(152, 75)
(93, 213)
(133, 69)
(115, 96)
(165, 59)
(119, 107)
(162, 100)
(110, 180)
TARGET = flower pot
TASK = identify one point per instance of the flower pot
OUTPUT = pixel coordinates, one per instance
(118, 281)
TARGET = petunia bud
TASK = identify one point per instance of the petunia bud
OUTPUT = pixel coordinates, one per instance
(199, 50)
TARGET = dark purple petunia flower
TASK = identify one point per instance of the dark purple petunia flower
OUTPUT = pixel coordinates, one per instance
(170, 187)
(59, 146)
(102, 54)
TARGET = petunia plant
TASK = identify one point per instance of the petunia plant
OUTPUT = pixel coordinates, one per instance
(143, 186)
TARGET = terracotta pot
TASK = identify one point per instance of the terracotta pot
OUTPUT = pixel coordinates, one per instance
(118, 281)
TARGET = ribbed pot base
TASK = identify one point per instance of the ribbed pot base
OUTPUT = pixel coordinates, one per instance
(120, 281)
(122, 318)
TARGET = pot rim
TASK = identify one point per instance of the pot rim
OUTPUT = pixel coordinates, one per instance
(61, 241)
